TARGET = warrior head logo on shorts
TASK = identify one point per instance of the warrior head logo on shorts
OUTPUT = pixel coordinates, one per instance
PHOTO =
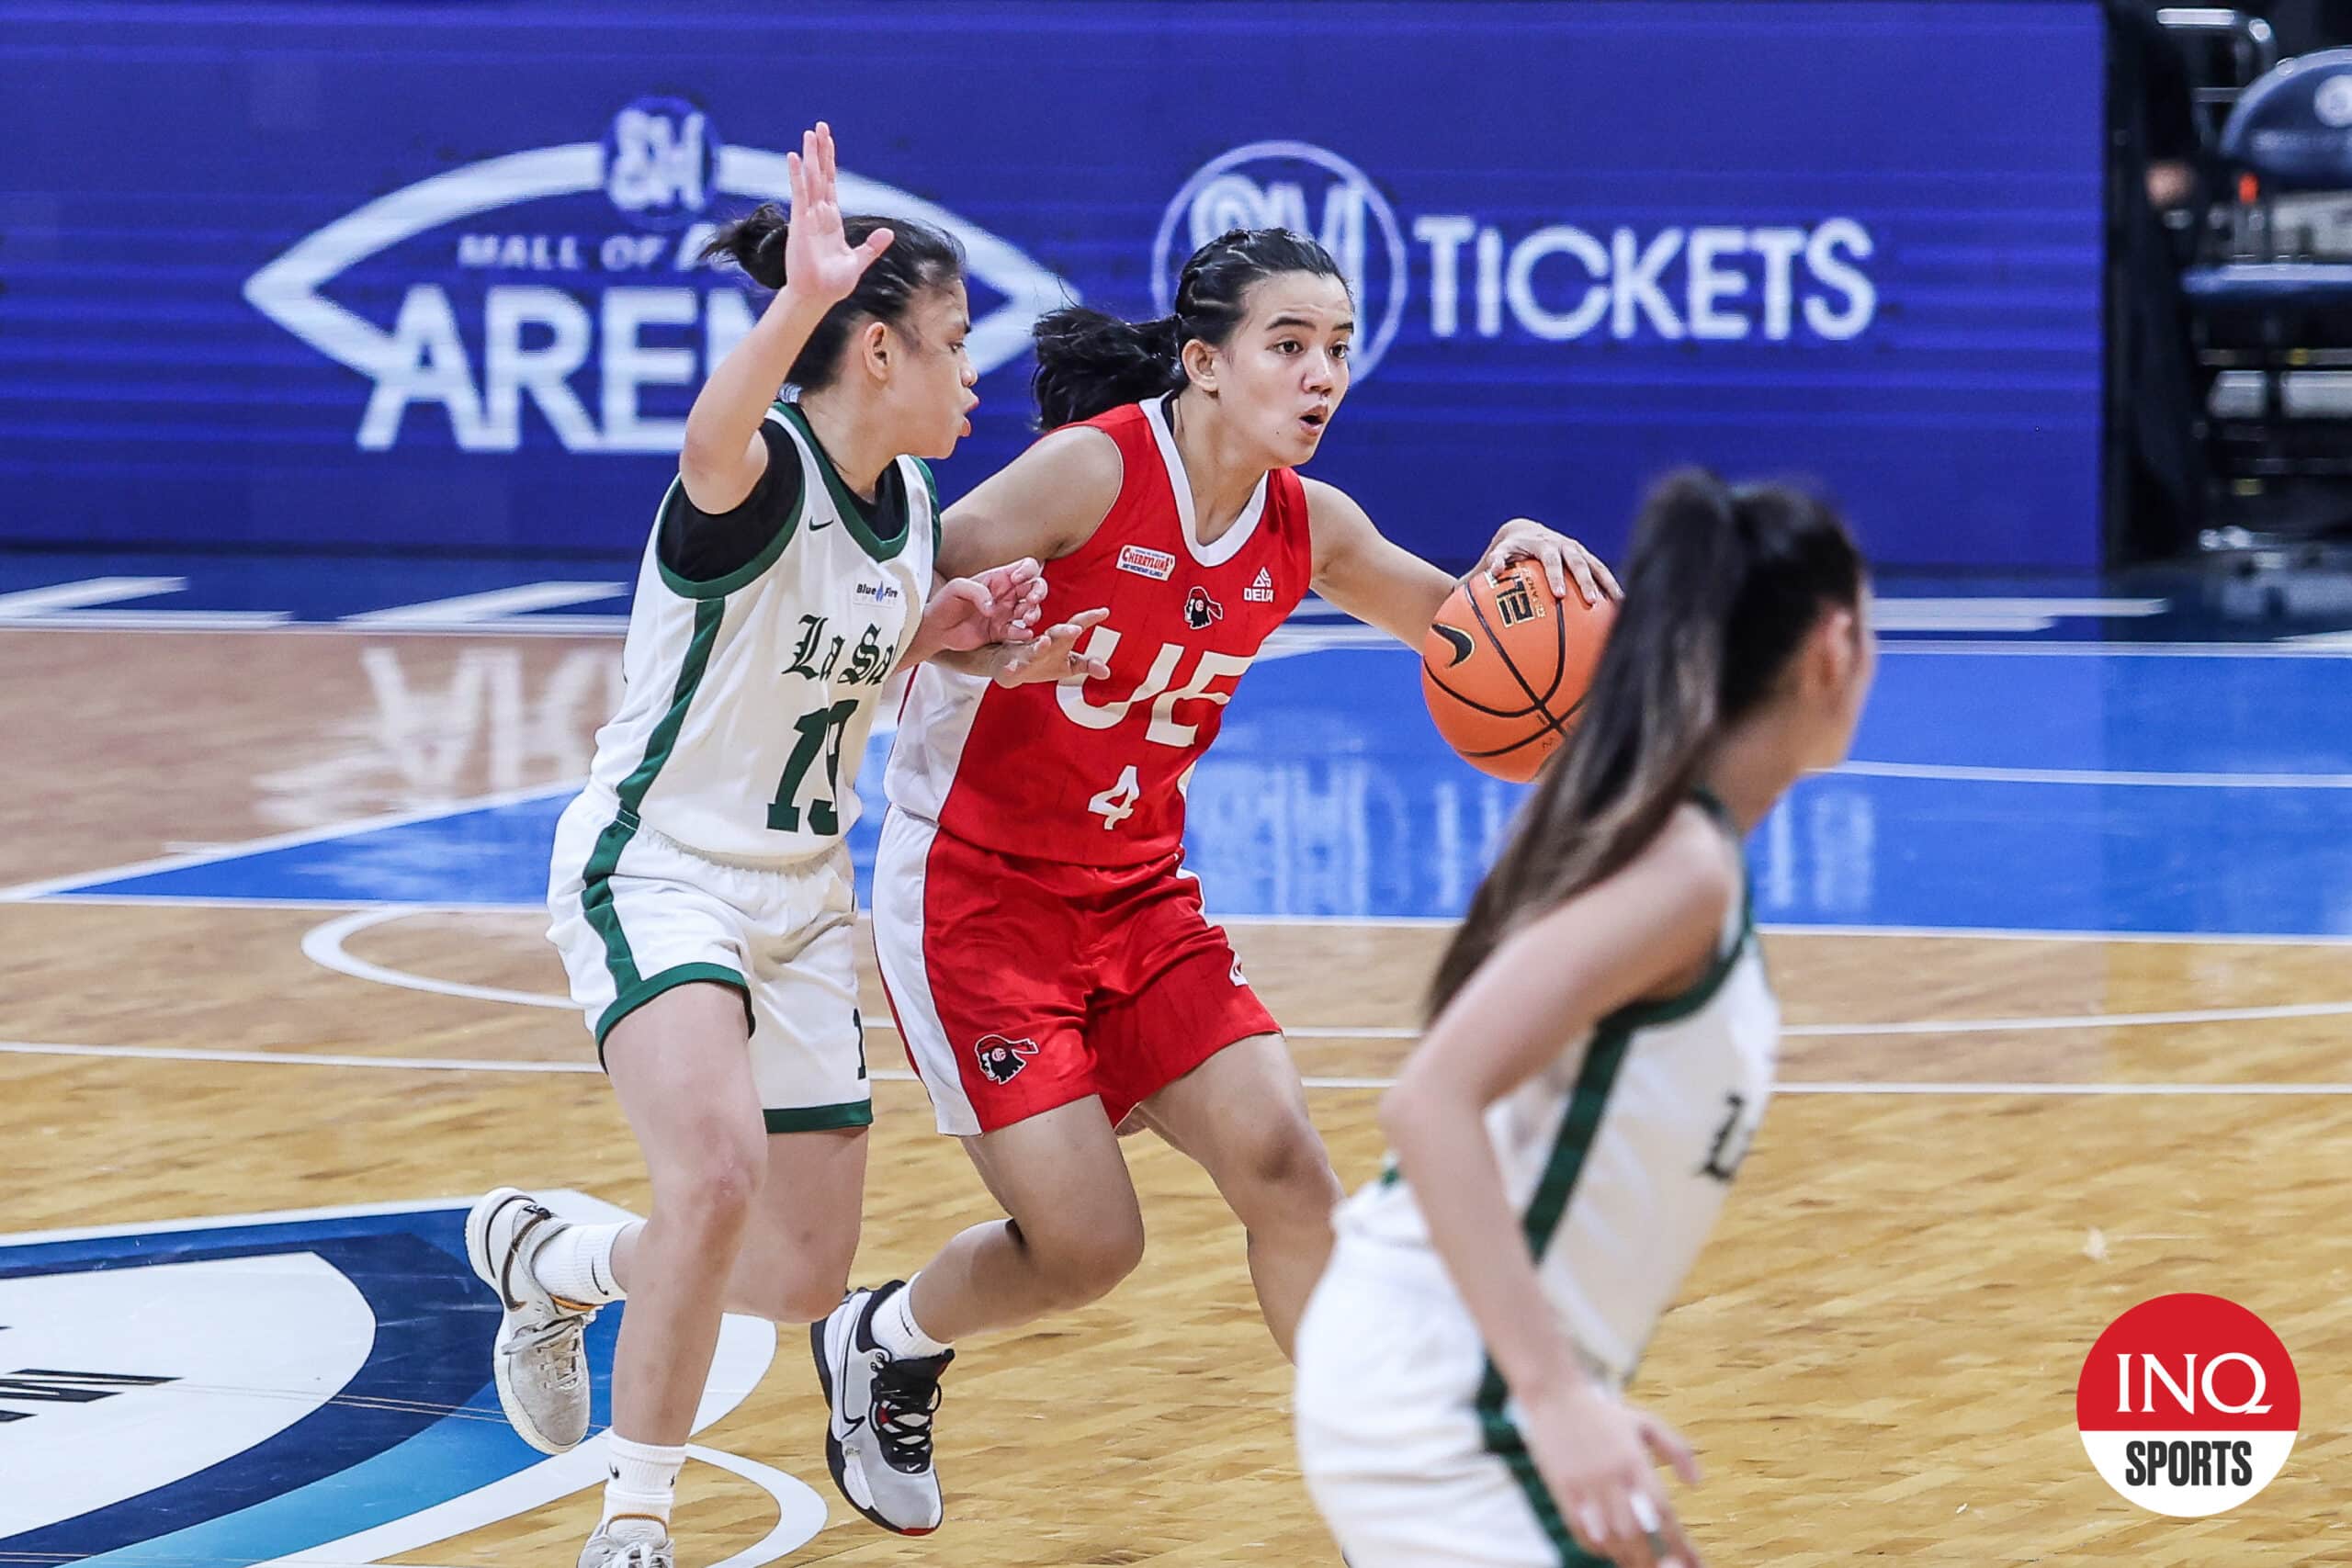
(1001, 1058)
(1200, 612)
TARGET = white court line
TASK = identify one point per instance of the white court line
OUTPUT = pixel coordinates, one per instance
(228, 1222)
(281, 622)
(2035, 649)
(1351, 922)
(218, 852)
(800, 1513)
(323, 946)
(493, 607)
(292, 1058)
(150, 621)
(1960, 773)
(433, 1065)
(2159, 1090)
(2027, 933)
(28, 603)
(2102, 609)
(227, 901)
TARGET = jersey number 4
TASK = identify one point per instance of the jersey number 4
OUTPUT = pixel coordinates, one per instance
(821, 730)
(1117, 804)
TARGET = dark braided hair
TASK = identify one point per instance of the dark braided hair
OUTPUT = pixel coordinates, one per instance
(1088, 361)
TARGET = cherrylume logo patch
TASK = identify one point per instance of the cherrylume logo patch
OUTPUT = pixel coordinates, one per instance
(2189, 1404)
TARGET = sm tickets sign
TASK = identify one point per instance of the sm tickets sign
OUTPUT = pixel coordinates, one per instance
(428, 277)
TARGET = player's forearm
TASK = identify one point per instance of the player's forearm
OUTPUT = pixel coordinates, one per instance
(728, 411)
(1439, 1141)
(1398, 591)
(930, 646)
(967, 660)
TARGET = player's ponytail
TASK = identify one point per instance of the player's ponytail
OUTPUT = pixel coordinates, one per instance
(1089, 363)
(1722, 587)
(918, 257)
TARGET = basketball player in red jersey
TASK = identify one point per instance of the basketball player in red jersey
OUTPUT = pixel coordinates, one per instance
(1046, 955)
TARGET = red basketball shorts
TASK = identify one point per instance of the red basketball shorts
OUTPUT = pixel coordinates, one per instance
(1020, 985)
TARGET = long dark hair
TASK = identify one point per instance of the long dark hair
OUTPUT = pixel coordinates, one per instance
(1724, 585)
(920, 257)
(1088, 361)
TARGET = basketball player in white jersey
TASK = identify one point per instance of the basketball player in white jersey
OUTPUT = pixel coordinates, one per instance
(701, 887)
(1601, 1050)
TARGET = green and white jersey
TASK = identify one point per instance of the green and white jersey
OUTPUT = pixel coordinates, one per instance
(1618, 1158)
(750, 694)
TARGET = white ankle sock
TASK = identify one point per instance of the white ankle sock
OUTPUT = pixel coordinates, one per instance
(896, 1330)
(576, 1264)
(644, 1480)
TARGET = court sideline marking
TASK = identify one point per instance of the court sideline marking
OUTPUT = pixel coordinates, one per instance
(323, 946)
(461, 1065)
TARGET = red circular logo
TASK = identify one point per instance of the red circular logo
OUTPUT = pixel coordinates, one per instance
(2189, 1404)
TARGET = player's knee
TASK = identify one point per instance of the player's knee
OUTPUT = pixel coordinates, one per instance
(1083, 1267)
(714, 1182)
(1287, 1174)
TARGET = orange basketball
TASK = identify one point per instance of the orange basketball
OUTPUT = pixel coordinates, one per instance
(1506, 666)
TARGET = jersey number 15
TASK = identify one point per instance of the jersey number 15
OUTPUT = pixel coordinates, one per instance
(821, 729)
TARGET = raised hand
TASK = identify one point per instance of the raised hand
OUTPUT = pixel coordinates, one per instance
(818, 261)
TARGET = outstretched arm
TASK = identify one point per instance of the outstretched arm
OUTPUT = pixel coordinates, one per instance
(967, 613)
(1045, 504)
(1386, 585)
(723, 456)
(983, 613)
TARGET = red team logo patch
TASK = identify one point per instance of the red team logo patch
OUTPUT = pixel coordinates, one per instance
(2189, 1404)
(1001, 1058)
(1201, 611)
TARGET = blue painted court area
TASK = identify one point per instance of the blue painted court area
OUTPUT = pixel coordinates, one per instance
(161, 590)
(2201, 792)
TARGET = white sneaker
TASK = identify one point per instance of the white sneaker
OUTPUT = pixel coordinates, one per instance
(878, 1441)
(631, 1543)
(540, 1356)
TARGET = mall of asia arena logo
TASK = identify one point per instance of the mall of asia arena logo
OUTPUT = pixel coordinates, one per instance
(1709, 282)
(611, 289)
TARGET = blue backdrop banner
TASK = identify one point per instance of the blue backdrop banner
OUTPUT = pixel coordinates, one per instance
(423, 276)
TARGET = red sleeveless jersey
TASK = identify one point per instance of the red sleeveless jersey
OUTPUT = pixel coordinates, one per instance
(1095, 774)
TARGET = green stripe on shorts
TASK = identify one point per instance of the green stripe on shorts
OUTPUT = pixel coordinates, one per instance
(596, 891)
(821, 1118)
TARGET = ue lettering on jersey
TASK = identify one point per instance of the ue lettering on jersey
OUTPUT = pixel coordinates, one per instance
(1094, 774)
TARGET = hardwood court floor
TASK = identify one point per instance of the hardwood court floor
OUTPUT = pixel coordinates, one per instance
(1876, 1358)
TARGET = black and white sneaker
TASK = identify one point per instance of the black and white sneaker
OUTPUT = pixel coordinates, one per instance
(878, 1437)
